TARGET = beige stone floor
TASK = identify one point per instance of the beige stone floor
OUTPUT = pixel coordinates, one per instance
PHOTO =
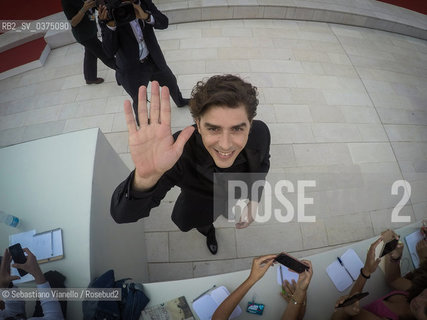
(346, 106)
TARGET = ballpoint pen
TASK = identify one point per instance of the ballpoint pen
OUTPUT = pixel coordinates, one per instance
(281, 278)
(51, 243)
(204, 292)
(341, 263)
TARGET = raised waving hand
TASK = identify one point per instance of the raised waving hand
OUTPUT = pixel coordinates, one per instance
(152, 146)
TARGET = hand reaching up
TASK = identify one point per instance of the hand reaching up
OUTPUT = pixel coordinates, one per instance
(152, 146)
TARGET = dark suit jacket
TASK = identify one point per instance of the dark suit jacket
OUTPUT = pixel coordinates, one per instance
(122, 43)
(86, 29)
(193, 173)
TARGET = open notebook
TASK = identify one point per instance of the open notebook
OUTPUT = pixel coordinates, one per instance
(206, 305)
(411, 241)
(283, 274)
(343, 275)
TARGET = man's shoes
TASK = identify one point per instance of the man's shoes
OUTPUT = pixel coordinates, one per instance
(211, 241)
(97, 81)
(184, 102)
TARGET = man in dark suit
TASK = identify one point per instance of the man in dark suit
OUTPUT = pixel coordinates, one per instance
(225, 138)
(82, 18)
(138, 54)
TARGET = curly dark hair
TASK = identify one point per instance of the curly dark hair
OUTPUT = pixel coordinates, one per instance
(223, 90)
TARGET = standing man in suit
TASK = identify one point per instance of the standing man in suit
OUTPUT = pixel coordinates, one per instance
(82, 19)
(225, 138)
(138, 54)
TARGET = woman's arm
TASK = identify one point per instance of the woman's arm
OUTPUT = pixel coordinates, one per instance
(370, 266)
(297, 300)
(393, 275)
(260, 266)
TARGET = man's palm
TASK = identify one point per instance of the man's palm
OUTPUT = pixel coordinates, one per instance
(152, 146)
(152, 149)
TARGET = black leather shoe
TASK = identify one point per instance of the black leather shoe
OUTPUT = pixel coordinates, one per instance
(211, 241)
(184, 102)
(97, 81)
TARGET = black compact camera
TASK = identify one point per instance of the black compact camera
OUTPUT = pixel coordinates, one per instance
(120, 12)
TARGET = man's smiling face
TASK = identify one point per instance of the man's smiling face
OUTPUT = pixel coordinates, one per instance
(224, 132)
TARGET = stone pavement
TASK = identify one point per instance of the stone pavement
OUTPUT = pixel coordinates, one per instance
(346, 105)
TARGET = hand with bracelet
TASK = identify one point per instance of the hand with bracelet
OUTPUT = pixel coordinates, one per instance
(371, 263)
(295, 294)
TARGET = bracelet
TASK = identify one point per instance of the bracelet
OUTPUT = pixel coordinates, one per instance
(363, 275)
(395, 260)
(294, 301)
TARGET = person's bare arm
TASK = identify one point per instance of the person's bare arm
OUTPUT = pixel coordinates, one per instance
(296, 301)
(393, 275)
(370, 266)
(260, 266)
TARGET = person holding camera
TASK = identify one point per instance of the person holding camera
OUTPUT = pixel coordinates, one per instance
(224, 139)
(128, 34)
(15, 309)
(82, 19)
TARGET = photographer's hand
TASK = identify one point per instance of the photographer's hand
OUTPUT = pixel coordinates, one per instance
(88, 4)
(103, 16)
(32, 267)
(140, 13)
(260, 266)
(152, 146)
(5, 277)
(102, 13)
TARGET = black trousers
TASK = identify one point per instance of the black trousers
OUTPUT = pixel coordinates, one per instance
(145, 72)
(93, 50)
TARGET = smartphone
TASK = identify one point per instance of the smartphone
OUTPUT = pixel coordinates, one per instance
(389, 247)
(291, 262)
(18, 256)
(349, 301)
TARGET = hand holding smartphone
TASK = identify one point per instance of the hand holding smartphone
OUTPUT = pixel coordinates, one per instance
(291, 262)
(350, 300)
(18, 256)
(387, 245)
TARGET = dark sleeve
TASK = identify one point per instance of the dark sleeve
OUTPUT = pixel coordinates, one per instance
(265, 140)
(128, 205)
(160, 20)
(265, 164)
(70, 9)
(110, 40)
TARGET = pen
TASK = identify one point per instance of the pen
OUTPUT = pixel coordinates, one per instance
(281, 277)
(51, 243)
(340, 261)
(204, 293)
